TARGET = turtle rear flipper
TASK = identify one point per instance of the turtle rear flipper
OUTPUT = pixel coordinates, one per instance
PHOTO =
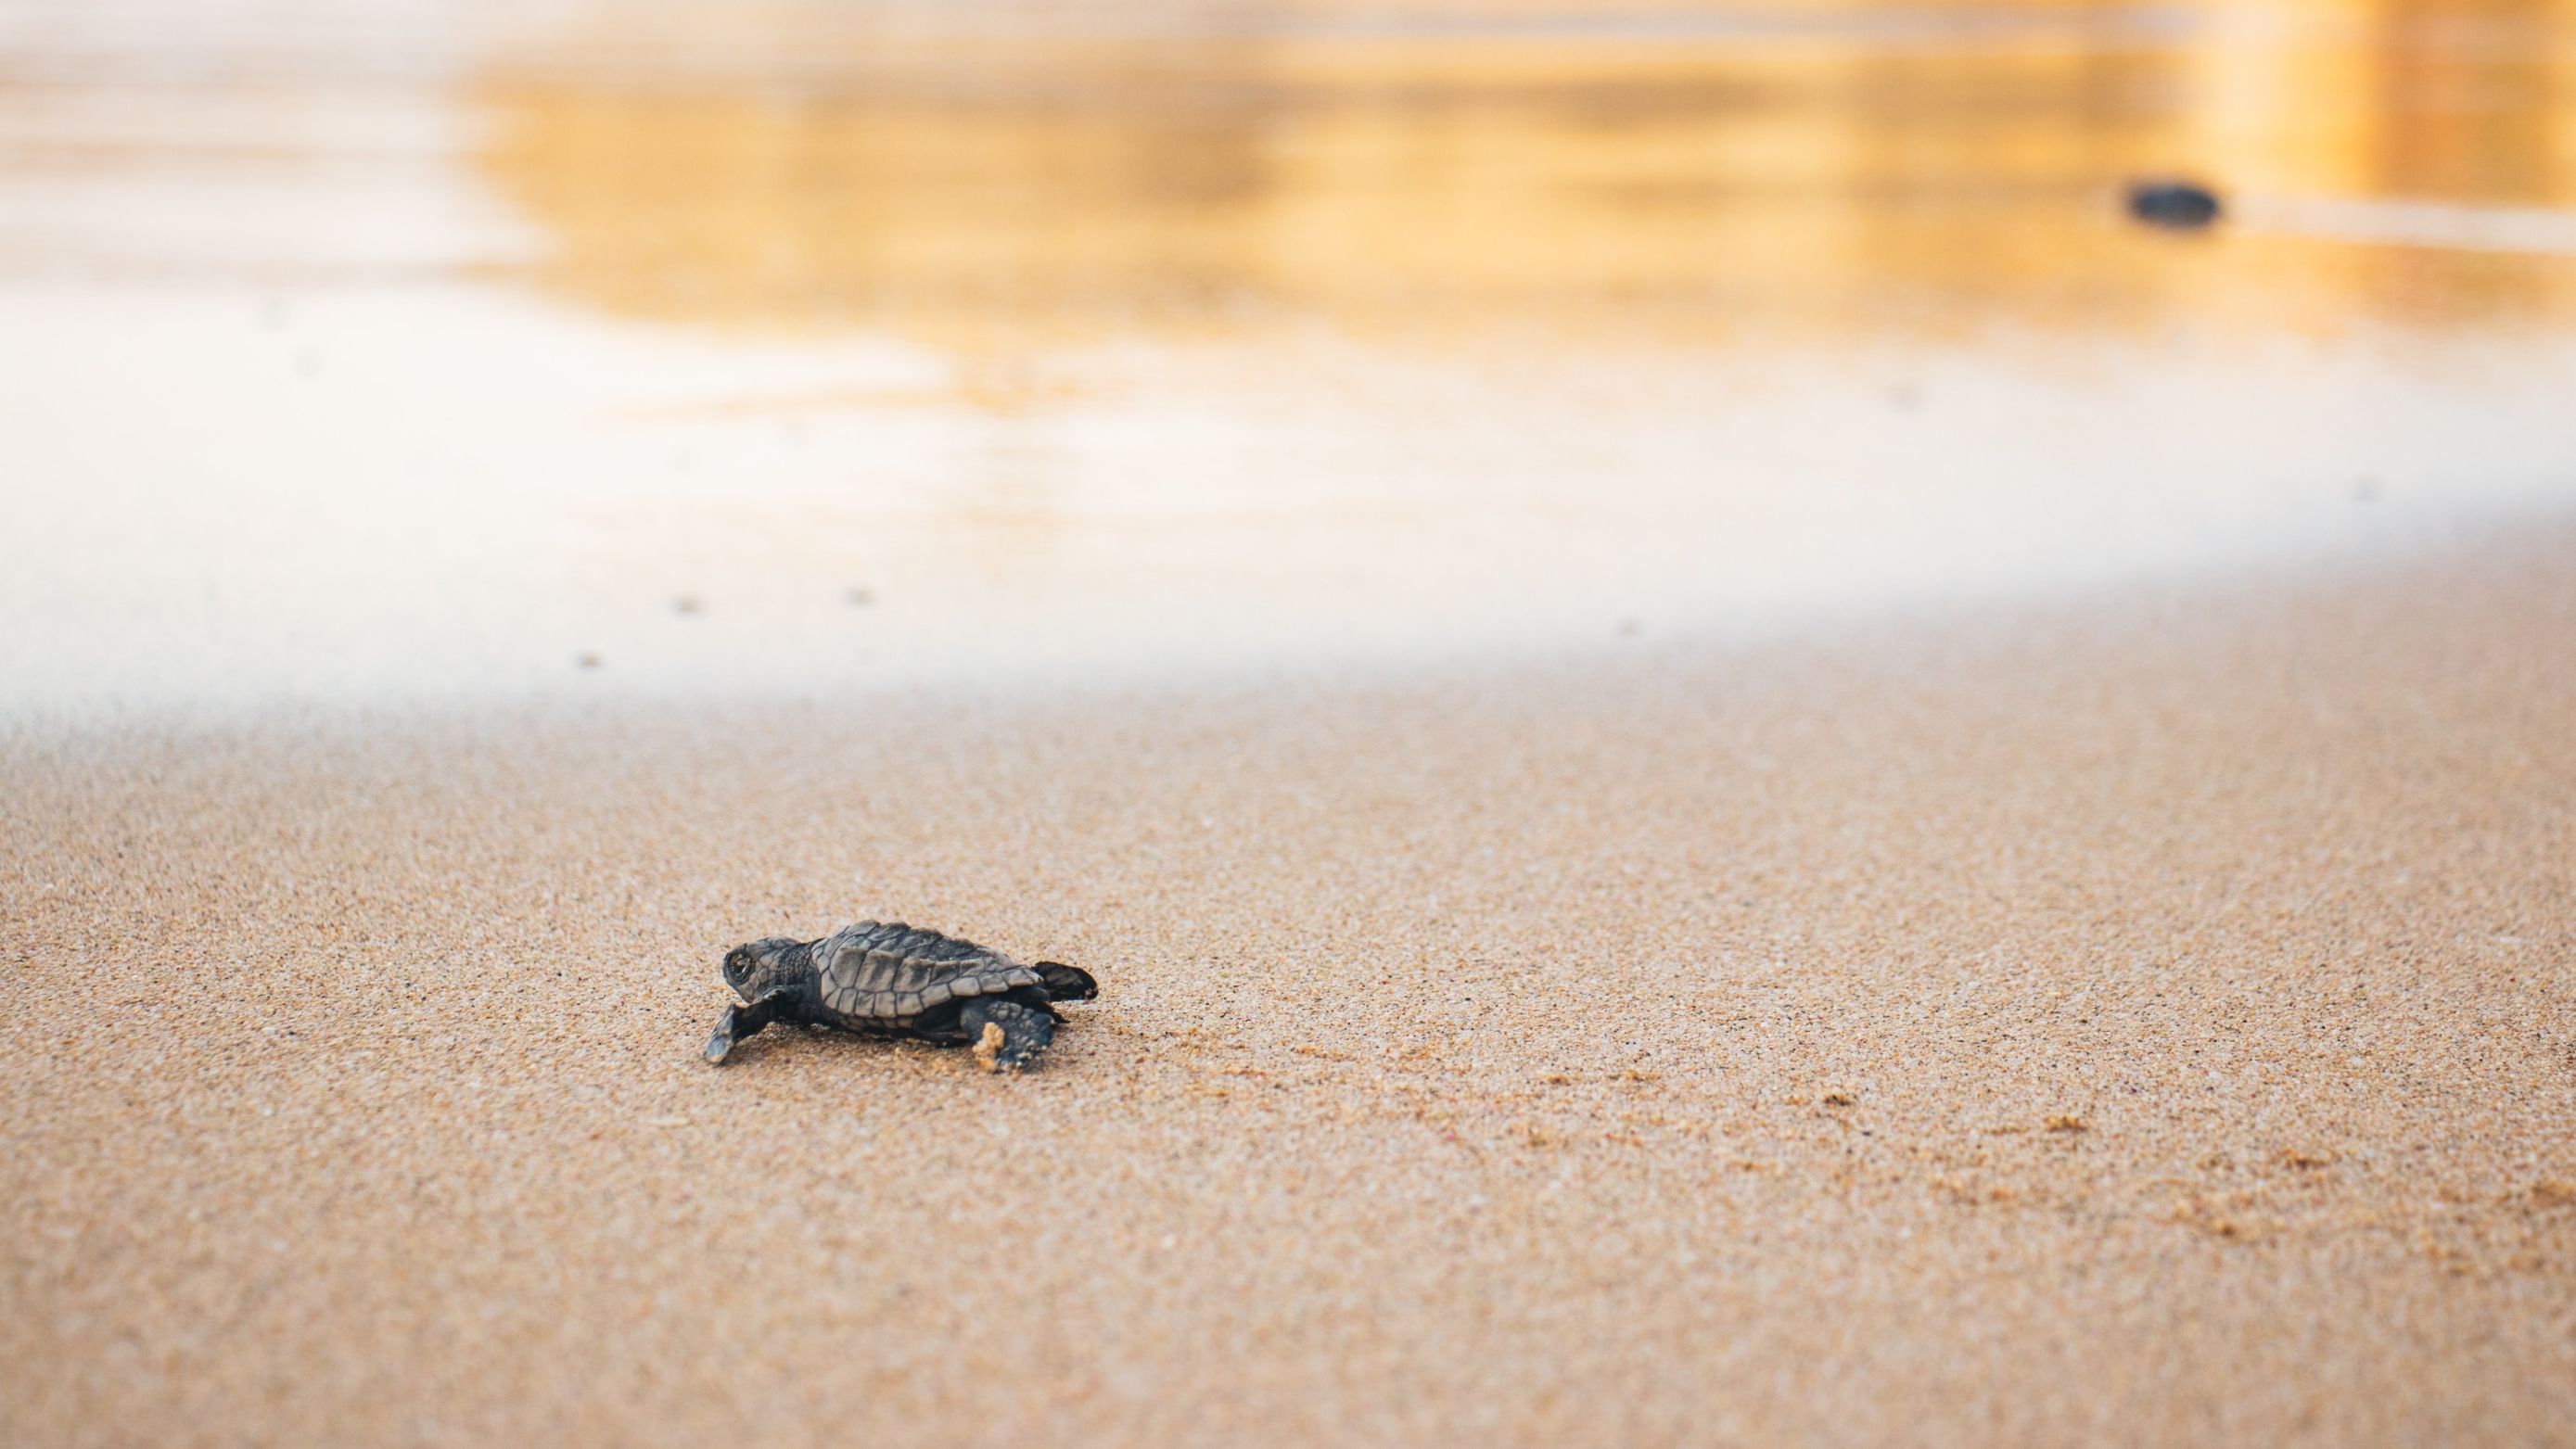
(1008, 1035)
(1066, 983)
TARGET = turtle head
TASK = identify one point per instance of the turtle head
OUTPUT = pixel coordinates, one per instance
(754, 967)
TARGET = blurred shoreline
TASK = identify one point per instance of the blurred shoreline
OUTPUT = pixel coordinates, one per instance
(1881, 635)
(434, 351)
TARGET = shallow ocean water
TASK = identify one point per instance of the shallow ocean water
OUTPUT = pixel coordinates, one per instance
(441, 351)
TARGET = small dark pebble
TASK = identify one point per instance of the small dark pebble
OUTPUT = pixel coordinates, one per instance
(588, 660)
(858, 598)
(2180, 205)
(685, 604)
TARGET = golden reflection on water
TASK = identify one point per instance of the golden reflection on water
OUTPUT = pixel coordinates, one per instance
(1840, 176)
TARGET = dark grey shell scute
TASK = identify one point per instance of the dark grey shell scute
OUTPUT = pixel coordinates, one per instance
(890, 972)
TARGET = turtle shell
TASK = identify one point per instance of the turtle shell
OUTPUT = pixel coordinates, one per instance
(891, 972)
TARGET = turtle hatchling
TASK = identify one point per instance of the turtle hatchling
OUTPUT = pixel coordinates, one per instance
(890, 979)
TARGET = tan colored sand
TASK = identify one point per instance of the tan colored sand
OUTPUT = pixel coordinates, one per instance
(2153, 1022)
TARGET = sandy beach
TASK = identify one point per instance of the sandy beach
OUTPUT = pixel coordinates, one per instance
(2142, 1020)
(1744, 766)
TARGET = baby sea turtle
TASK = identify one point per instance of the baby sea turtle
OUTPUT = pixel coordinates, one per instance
(890, 979)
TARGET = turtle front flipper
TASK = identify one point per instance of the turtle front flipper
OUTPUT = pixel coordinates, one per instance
(1023, 1031)
(739, 1022)
(727, 1030)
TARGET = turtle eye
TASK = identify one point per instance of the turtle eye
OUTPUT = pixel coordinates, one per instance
(737, 965)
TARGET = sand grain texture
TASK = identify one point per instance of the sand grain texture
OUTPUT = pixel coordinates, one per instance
(2146, 1023)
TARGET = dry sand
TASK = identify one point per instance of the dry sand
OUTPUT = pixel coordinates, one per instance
(2149, 1021)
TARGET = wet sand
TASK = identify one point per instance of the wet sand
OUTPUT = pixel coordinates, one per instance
(2146, 1020)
